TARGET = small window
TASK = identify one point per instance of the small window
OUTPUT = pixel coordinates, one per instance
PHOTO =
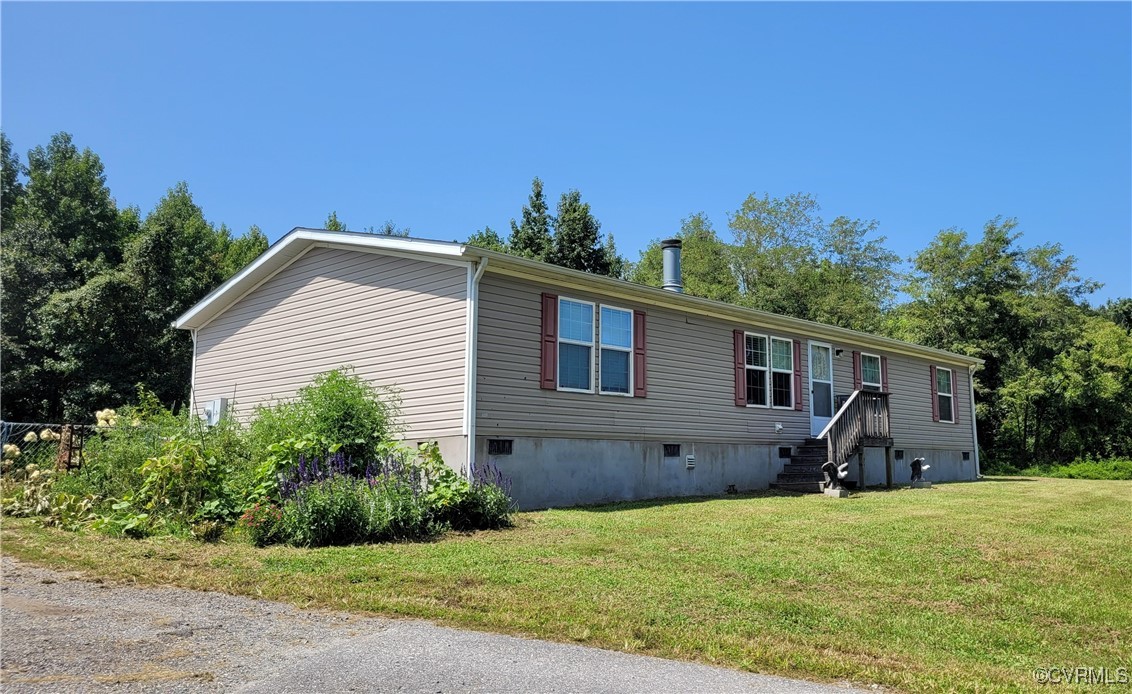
(899, 454)
(966, 455)
(871, 378)
(575, 345)
(785, 451)
(671, 450)
(616, 351)
(499, 446)
(945, 397)
(782, 372)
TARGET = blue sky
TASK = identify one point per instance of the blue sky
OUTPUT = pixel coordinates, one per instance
(437, 116)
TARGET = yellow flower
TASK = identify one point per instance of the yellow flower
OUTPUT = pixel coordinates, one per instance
(30, 437)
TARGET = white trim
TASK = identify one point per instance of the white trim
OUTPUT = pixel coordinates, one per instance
(470, 370)
(193, 377)
(286, 264)
(468, 306)
(770, 380)
(810, 353)
(293, 245)
(951, 382)
(558, 340)
(601, 346)
(765, 369)
(880, 370)
(974, 425)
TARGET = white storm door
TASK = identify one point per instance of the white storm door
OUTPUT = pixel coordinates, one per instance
(821, 386)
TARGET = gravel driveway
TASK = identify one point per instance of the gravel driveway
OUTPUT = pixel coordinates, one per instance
(63, 633)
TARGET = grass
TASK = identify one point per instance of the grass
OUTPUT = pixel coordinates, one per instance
(963, 587)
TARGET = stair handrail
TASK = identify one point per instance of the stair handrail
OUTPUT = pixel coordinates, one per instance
(864, 414)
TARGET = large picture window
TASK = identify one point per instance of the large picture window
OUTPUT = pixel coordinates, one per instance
(782, 372)
(575, 345)
(616, 356)
(945, 395)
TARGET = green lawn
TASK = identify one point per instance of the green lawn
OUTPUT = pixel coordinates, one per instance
(960, 587)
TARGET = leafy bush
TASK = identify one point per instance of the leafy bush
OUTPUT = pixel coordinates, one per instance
(339, 412)
(487, 504)
(1114, 469)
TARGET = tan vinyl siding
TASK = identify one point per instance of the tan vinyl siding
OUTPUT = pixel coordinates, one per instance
(910, 402)
(400, 322)
(690, 384)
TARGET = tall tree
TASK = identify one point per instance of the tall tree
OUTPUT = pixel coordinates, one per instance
(63, 229)
(531, 238)
(577, 237)
(705, 260)
(1015, 307)
(11, 188)
(332, 223)
(487, 238)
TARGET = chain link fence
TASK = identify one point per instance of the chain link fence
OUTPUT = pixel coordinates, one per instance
(48, 445)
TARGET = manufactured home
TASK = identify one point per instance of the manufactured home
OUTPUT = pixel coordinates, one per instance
(580, 388)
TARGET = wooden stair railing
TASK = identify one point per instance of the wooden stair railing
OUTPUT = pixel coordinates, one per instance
(864, 416)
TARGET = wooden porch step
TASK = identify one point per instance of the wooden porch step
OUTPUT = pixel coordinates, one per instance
(802, 487)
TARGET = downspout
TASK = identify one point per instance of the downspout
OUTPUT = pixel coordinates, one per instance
(471, 343)
(974, 425)
(193, 377)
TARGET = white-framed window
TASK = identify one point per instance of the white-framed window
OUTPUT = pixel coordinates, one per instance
(615, 360)
(782, 373)
(757, 360)
(575, 345)
(871, 376)
(945, 394)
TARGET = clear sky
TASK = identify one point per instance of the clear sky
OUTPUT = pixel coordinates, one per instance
(437, 116)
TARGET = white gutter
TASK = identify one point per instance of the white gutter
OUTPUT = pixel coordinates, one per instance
(193, 377)
(471, 343)
(974, 424)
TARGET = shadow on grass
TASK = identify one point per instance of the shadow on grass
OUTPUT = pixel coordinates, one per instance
(671, 500)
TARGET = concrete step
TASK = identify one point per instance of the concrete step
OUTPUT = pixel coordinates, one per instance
(799, 479)
(803, 487)
(796, 468)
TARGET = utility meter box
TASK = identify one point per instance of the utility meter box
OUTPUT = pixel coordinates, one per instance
(214, 411)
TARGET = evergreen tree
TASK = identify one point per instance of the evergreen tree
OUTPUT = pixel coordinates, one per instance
(332, 223)
(532, 238)
(577, 237)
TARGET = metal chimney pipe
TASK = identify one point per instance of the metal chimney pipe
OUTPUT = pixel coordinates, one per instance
(672, 275)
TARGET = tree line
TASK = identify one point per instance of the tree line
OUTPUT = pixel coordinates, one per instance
(90, 291)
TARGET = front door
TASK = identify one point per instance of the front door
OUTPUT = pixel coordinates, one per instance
(821, 386)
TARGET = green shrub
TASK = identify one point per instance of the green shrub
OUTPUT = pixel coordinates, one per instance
(330, 512)
(338, 412)
(263, 524)
(1114, 469)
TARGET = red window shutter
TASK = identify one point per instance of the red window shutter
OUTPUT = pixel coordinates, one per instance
(740, 369)
(797, 375)
(640, 360)
(935, 398)
(884, 374)
(549, 374)
(856, 370)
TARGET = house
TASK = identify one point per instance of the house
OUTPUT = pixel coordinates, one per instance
(581, 388)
